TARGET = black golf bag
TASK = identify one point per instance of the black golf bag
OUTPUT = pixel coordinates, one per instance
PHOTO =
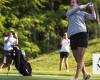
(20, 63)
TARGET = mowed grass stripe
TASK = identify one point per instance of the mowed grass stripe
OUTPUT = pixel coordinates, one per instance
(39, 77)
(34, 77)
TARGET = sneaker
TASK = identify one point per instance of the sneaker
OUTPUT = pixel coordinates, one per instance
(87, 77)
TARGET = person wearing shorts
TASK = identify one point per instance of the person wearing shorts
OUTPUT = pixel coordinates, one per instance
(8, 42)
(7, 57)
(64, 52)
(78, 35)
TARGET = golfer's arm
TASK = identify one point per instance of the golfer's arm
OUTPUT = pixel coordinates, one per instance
(93, 13)
(72, 11)
(90, 16)
(75, 9)
(6, 40)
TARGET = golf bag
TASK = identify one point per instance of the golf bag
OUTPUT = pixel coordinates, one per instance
(20, 63)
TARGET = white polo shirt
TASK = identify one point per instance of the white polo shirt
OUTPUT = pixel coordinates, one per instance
(65, 45)
(12, 41)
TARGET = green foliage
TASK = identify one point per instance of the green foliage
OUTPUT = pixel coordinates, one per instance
(38, 23)
(32, 50)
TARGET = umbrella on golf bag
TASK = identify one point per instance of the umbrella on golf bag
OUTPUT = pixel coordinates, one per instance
(20, 63)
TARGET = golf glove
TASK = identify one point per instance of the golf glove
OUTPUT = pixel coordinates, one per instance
(86, 5)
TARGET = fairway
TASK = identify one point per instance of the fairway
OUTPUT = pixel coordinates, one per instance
(36, 77)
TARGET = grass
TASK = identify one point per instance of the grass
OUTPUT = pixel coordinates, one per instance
(35, 77)
(46, 67)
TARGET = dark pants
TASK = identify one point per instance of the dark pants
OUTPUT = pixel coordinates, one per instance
(7, 58)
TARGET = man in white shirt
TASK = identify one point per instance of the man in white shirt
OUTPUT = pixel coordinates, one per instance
(8, 42)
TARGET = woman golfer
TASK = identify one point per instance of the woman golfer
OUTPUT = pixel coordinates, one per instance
(64, 52)
(77, 33)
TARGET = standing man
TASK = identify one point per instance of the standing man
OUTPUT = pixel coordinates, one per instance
(78, 35)
(64, 52)
(9, 40)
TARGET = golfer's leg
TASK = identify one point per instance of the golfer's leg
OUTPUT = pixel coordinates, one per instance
(1, 65)
(60, 64)
(10, 62)
(9, 67)
(66, 63)
(80, 63)
(75, 54)
(83, 68)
